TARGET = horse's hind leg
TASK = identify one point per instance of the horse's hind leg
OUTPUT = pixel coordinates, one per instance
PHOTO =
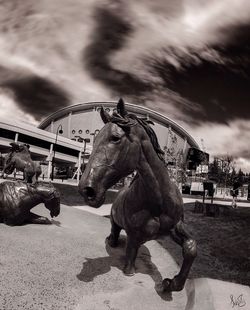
(37, 219)
(112, 239)
(131, 253)
(34, 179)
(189, 252)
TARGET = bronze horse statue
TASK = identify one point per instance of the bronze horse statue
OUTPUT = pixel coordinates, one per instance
(152, 205)
(18, 198)
(19, 158)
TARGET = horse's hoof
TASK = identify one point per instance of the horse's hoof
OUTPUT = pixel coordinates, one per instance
(171, 285)
(46, 221)
(111, 242)
(166, 284)
(129, 272)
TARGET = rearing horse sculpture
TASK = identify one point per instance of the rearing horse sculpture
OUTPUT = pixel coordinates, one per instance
(20, 159)
(152, 205)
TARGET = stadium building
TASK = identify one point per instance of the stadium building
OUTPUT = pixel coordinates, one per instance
(66, 137)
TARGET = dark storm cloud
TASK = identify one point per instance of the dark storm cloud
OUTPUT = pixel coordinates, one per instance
(37, 95)
(221, 88)
(110, 35)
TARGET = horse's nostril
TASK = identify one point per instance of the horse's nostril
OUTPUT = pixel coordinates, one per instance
(89, 192)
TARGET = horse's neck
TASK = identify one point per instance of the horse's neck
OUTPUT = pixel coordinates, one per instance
(154, 178)
(28, 197)
(22, 159)
(34, 198)
(24, 155)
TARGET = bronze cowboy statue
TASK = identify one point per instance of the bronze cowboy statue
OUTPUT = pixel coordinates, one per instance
(18, 198)
(152, 205)
(19, 158)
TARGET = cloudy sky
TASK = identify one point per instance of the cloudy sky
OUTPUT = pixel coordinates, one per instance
(188, 59)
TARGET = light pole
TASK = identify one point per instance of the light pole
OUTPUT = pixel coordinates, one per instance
(78, 171)
(58, 131)
(94, 134)
(85, 140)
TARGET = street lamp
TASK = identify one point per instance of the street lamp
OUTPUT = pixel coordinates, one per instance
(58, 131)
(78, 171)
(94, 134)
(86, 140)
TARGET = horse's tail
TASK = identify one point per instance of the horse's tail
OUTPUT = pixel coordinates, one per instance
(183, 218)
(8, 169)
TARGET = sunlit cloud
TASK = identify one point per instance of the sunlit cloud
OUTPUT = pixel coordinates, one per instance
(10, 110)
(220, 139)
(48, 41)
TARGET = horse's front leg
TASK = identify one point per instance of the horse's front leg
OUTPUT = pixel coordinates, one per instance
(37, 219)
(3, 173)
(131, 253)
(34, 179)
(112, 239)
(189, 252)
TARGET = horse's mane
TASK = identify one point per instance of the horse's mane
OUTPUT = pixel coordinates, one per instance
(130, 120)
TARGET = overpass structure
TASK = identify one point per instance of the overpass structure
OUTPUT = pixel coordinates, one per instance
(45, 146)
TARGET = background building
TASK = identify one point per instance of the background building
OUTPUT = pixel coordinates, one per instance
(66, 137)
(82, 121)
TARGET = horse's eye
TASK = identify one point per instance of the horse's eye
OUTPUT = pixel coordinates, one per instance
(115, 139)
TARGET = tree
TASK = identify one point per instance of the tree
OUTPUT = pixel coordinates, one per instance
(214, 171)
(222, 168)
(240, 176)
(232, 176)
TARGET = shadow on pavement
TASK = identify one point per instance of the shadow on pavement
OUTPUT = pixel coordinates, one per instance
(93, 267)
(57, 223)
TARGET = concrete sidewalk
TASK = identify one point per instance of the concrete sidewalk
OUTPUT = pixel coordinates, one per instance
(104, 210)
(67, 266)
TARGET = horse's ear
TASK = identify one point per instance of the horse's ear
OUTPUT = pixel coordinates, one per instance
(28, 146)
(106, 118)
(14, 146)
(21, 147)
(121, 108)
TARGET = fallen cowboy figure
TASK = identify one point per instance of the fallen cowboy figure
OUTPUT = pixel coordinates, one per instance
(18, 198)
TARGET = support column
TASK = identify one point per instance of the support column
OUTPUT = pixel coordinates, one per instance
(16, 136)
(52, 126)
(50, 161)
(79, 166)
(167, 142)
(185, 145)
(185, 150)
(69, 124)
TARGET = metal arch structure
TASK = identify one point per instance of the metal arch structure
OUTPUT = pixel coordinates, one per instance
(85, 107)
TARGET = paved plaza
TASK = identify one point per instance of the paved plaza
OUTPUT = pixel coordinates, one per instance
(66, 265)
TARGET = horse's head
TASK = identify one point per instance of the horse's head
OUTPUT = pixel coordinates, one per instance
(116, 153)
(19, 147)
(49, 196)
